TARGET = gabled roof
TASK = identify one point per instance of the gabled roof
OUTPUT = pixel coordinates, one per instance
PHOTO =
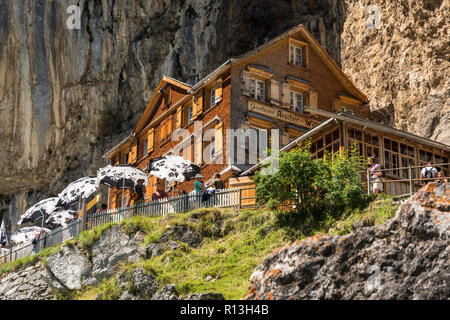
(165, 80)
(318, 49)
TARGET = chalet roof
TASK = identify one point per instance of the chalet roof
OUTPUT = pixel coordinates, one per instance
(315, 45)
(109, 153)
(333, 119)
(156, 94)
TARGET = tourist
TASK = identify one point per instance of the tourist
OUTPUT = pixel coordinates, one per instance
(217, 183)
(103, 208)
(376, 175)
(429, 172)
(138, 193)
(441, 177)
(159, 193)
(198, 184)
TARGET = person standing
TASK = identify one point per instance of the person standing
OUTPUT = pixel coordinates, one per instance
(428, 172)
(138, 193)
(217, 183)
(376, 175)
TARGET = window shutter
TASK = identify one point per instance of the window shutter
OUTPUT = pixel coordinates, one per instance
(313, 99)
(218, 138)
(285, 100)
(219, 91)
(245, 83)
(151, 140)
(169, 125)
(274, 92)
(197, 107)
(179, 117)
(198, 150)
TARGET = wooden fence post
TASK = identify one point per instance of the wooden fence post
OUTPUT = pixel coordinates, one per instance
(411, 187)
(368, 182)
(83, 217)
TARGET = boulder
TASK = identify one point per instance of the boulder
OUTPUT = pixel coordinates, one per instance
(205, 296)
(184, 234)
(405, 258)
(168, 292)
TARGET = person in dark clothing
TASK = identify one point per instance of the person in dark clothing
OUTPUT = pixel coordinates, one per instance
(138, 193)
(159, 193)
(217, 183)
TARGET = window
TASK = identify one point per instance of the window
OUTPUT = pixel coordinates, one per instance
(296, 55)
(190, 114)
(257, 89)
(425, 156)
(213, 97)
(296, 101)
(367, 143)
(124, 200)
(126, 158)
(145, 148)
(397, 155)
(327, 143)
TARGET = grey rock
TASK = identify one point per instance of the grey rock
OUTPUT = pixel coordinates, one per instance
(205, 296)
(185, 234)
(144, 283)
(69, 267)
(173, 245)
(127, 296)
(405, 258)
(113, 247)
(154, 249)
(168, 292)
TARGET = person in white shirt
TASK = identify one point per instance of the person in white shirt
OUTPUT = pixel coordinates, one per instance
(428, 172)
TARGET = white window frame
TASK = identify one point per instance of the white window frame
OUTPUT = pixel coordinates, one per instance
(293, 100)
(254, 89)
(293, 55)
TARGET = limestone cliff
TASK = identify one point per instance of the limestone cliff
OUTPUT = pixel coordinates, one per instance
(66, 96)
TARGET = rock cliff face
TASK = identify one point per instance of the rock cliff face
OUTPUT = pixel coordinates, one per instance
(74, 267)
(66, 96)
(406, 258)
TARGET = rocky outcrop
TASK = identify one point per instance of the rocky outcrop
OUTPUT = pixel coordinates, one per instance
(74, 267)
(26, 284)
(405, 258)
(68, 95)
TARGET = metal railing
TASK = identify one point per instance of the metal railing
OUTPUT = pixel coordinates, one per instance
(226, 198)
(403, 181)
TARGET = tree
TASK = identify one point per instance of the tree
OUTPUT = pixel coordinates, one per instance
(312, 185)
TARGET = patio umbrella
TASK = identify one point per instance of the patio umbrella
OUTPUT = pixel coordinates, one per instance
(173, 168)
(81, 188)
(58, 218)
(120, 176)
(3, 234)
(26, 234)
(41, 209)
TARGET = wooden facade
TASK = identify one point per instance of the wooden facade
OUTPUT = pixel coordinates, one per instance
(289, 84)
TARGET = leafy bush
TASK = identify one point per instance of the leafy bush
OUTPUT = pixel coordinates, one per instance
(313, 186)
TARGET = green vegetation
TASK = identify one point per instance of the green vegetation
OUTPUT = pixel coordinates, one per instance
(234, 244)
(313, 186)
(27, 261)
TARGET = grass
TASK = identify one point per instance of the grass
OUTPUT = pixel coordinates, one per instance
(234, 243)
(27, 261)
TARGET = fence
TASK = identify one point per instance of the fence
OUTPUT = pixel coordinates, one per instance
(403, 181)
(54, 237)
(227, 198)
